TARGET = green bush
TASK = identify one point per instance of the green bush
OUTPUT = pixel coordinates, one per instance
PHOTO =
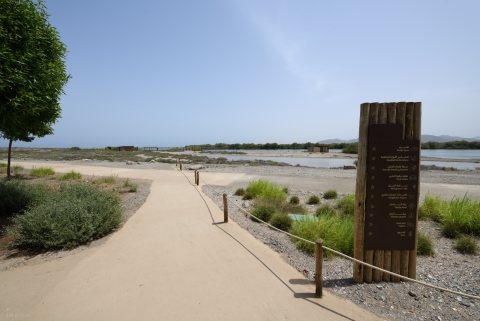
(431, 208)
(330, 194)
(336, 232)
(239, 192)
(16, 196)
(285, 190)
(42, 171)
(131, 187)
(313, 199)
(72, 175)
(267, 191)
(461, 216)
(263, 212)
(425, 245)
(281, 221)
(287, 208)
(76, 215)
(109, 180)
(346, 205)
(325, 210)
(247, 196)
(17, 169)
(3, 165)
(294, 200)
(466, 245)
(350, 149)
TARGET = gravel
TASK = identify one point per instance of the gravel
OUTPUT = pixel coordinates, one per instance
(396, 301)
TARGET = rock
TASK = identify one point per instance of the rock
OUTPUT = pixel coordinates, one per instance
(459, 298)
(379, 286)
(465, 303)
(412, 294)
(438, 318)
(129, 163)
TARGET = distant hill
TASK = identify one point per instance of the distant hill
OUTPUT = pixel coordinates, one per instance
(337, 141)
(446, 138)
(425, 138)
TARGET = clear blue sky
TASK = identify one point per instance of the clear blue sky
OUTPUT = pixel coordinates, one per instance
(171, 73)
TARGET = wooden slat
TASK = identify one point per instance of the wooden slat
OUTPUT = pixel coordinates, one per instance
(358, 270)
(396, 255)
(387, 255)
(417, 132)
(378, 255)
(408, 134)
(372, 119)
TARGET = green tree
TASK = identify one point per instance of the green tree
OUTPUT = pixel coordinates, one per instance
(32, 72)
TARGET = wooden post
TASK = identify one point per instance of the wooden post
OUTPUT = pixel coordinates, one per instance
(318, 268)
(417, 133)
(360, 194)
(180, 162)
(225, 208)
(197, 177)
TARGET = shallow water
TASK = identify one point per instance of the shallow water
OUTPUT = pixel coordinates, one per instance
(332, 162)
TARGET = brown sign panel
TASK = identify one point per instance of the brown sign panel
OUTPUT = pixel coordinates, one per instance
(392, 187)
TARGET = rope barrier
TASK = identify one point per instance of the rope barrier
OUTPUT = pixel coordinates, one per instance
(342, 254)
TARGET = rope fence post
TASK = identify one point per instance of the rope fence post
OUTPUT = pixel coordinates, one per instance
(195, 176)
(225, 208)
(318, 268)
(198, 177)
(180, 164)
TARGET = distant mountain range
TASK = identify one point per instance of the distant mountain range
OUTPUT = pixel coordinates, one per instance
(425, 138)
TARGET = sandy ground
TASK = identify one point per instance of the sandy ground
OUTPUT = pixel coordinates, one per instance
(171, 261)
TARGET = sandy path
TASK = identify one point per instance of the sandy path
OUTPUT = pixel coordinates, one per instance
(168, 262)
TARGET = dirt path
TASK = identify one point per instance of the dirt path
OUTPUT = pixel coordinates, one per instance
(168, 262)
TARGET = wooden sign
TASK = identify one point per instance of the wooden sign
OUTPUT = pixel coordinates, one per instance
(392, 186)
(387, 190)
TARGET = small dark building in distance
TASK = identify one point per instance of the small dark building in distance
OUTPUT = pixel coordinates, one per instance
(318, 149)
(123, 148)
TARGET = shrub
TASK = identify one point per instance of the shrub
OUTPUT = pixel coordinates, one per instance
(330, 194)
(239, 192)
(466, 245)
(350, 149)
(263, 212)
(431, 208)
(247, 196)
(288, 208)
(70, 176)
(346, 205)
(325, 210)
(425, 245)
(294, 200)
(42, 171)
(313, 199)
(3, 165)
(131, 187)
(267, 191)
(336, 232)
(16, 196)
(107, 180)
(285, 190)
(461, 216)
(76, 215)
(17, 169)
(281, 221)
